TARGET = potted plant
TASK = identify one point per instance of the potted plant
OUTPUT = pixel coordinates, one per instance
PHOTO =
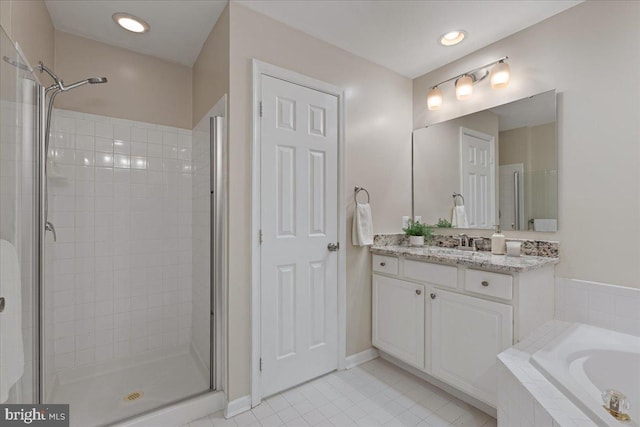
(417, 232)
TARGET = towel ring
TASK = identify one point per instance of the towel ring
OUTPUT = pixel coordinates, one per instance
(356, 190)
(455, 195)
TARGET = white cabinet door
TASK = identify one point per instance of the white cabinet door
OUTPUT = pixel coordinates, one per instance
(466, 336)
(398, 319)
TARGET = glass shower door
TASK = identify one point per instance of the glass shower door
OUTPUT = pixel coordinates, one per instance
(18, 238)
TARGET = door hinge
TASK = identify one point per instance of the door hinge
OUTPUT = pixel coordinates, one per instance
(260, 108)
(260, 236)
(261, 364)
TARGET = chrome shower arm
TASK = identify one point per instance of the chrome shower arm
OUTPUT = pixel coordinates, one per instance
(44, 68)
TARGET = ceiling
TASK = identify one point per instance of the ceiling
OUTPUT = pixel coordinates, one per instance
(179, 28)
(401, 35)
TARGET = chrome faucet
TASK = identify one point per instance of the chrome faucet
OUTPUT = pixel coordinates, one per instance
(463, 243)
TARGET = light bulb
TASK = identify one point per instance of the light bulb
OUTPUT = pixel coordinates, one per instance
(434, 99)
(464, 88)
(500, 75)
(130, 22)
(452, 38)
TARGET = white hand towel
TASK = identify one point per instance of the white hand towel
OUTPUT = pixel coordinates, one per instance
(459, 217)
(362, 233)
(11, 344)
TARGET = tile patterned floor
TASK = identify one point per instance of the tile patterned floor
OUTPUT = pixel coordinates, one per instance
(376, 393)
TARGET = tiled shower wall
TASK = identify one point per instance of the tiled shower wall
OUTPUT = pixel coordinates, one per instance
(120, 199)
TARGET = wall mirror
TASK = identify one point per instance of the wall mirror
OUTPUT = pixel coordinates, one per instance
(497, 166)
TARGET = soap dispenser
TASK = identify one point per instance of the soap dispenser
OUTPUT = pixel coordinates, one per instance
(497, 242)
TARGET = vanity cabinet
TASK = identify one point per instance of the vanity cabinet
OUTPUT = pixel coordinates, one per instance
(398, 313)
(467, 334)
(451, 321)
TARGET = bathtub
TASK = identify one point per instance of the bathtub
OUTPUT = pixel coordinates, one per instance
(586, 360)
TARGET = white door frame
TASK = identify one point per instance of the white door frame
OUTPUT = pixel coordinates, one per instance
(260, 68)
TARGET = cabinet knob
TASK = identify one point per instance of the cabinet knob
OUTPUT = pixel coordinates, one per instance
(485, 283)
(382, 264)
(433, 296)
(418, 292)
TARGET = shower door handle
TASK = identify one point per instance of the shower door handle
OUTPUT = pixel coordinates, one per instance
(48, 226)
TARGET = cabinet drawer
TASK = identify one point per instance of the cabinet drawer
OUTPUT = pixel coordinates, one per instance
(385, 264)
(443, 275)
(487, 283)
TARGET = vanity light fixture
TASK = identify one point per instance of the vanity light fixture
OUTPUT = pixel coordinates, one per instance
(498, 71)
(434, 99)
(464, 87)
(130, 22)
(500, 75)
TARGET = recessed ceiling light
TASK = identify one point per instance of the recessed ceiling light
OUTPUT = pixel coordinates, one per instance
(130, 22)
(452, 37)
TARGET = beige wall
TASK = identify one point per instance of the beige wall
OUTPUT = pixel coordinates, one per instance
(140, 87)
(378, 132)
(588, 53)
(436, 156)
(211, 69)
(28, 23)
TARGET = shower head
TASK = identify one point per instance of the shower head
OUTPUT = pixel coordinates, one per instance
(59, 86)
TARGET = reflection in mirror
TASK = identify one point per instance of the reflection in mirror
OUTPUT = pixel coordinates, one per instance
(497, 166)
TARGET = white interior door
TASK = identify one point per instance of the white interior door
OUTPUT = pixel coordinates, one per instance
(477, 171)
(512, 201)
(299, 219)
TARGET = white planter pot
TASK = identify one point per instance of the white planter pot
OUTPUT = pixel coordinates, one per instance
(416, 240)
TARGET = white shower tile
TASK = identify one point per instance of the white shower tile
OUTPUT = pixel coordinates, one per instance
(138, 134)
(170, 138)
(106, 213)
(103, 129)
(138, 148)
(85, 142)
(103, 145)
(154, 136)
(122, 132)
(84, 127)
(104, 160)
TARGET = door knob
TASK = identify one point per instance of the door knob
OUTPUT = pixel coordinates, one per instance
(333, 247)
(433, 296)
(485, 283)
(418, 292)
(382, 264)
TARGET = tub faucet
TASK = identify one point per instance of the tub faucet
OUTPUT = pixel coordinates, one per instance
(616, 404)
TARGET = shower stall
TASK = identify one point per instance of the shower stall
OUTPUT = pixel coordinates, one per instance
(118, 231)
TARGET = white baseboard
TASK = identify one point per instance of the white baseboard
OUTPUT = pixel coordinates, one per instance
(237, 406)
(362, 357)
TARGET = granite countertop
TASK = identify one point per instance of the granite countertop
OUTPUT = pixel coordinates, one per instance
(478, 259)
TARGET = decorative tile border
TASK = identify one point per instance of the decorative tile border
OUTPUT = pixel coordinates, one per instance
(541, 248)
